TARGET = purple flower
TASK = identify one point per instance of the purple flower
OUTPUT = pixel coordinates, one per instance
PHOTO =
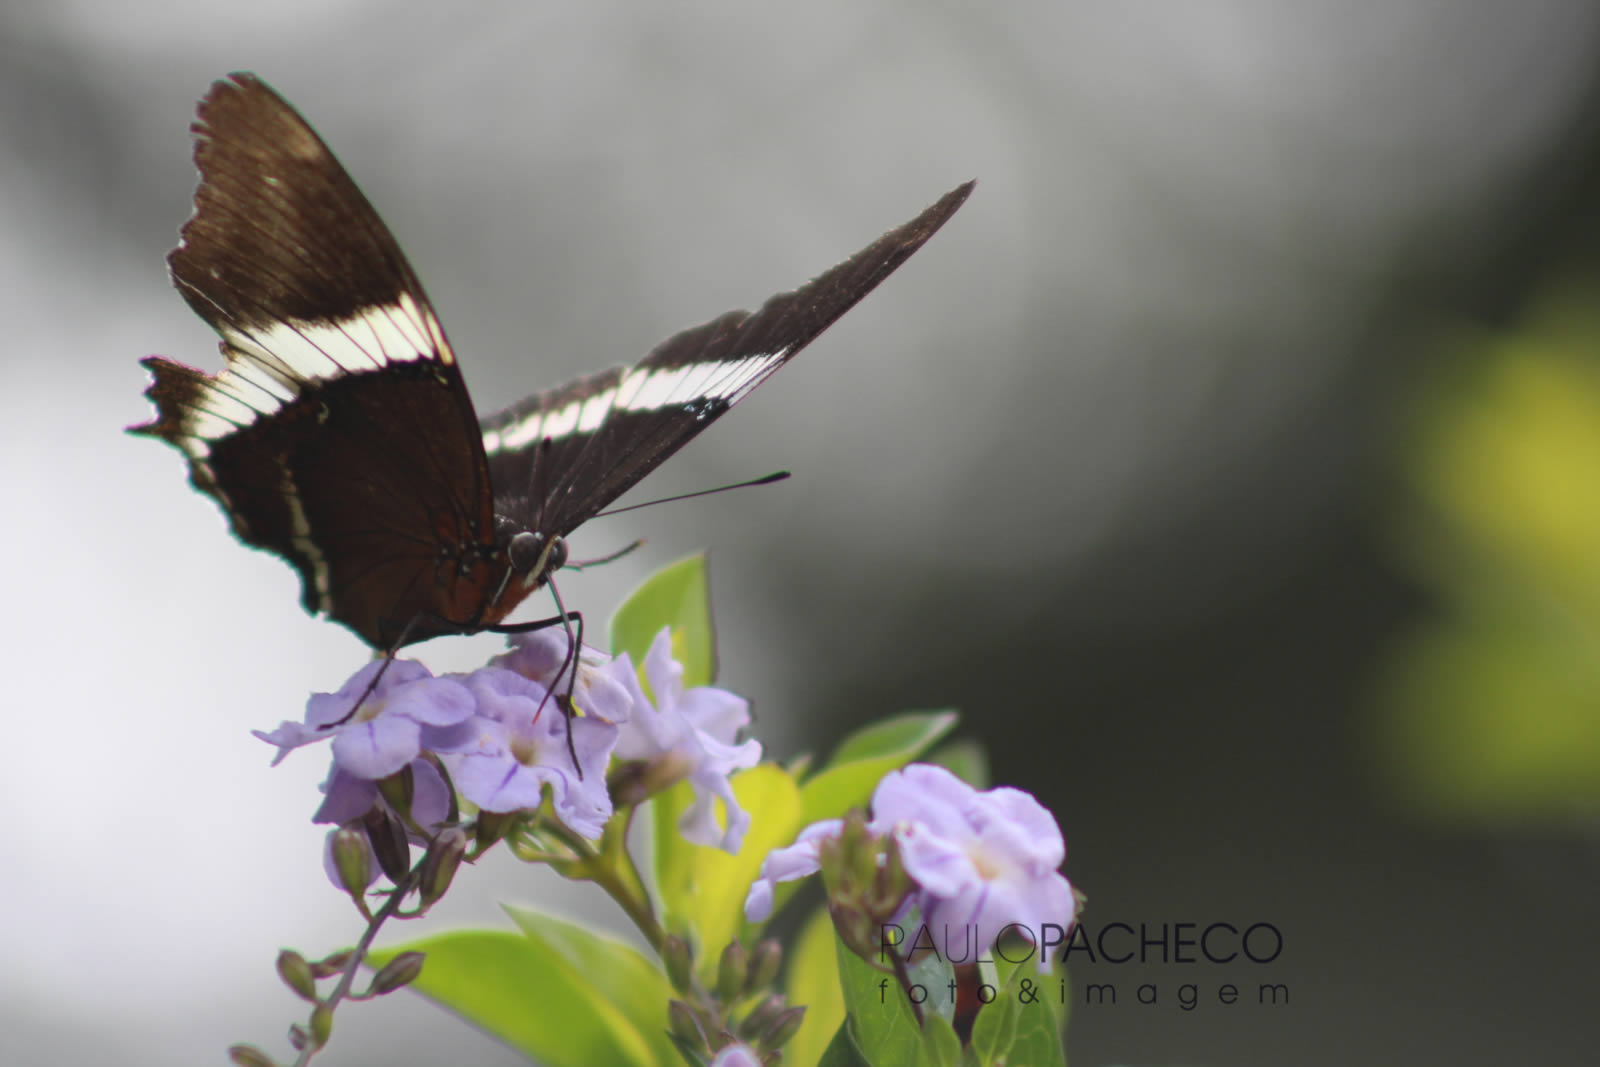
(517, 744)
(737, 1056)
(539, 655)
(347, 798)
(980, 861)
(695, 730)
(983, 861)
(407, 712)
(787, 864)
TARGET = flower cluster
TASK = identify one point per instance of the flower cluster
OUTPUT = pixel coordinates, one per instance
(549, 750)
(500, 738)
(972, 861)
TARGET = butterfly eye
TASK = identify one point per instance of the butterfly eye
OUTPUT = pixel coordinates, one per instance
(532, 554)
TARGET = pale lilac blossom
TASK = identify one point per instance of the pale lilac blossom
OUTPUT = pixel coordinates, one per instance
(981, 861)
(407, 712)
(696, 729)
(518, 745)
(597, 690)
(737, 1056)
(788, 864)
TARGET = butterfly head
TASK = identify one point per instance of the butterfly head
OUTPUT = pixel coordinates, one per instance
(535, 557)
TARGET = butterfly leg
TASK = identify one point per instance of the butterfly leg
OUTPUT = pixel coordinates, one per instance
(570, 660)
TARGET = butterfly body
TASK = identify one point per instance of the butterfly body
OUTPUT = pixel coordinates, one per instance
(340, 434)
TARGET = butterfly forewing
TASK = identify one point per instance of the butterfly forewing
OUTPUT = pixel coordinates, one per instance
(339, 433)
(559, 457)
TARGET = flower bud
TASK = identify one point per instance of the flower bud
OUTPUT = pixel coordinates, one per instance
(678, 958)
(855, 928)
(493, 825)
(399, 789)
(783, 1027)
(398, 972)
(889, 885)
(732, 969)
(685, 1023)
(440, 863)
(352, 858)
(765, 963)
(321, 1024)
(249, 1056)
(761, 1018)
(332, 965)
(296, 974)
(389, 843)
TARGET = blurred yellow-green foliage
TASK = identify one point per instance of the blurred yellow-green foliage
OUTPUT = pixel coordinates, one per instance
(1491, 711)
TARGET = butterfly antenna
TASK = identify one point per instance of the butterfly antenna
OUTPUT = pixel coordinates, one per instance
(765, 479)
(580, 564)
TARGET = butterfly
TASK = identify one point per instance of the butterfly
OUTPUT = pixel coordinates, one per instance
(339, 434)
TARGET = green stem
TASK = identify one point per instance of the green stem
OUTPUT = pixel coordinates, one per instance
(611, 867)
(359, 954)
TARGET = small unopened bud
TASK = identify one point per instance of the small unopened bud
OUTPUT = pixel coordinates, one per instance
(493, 825)
(678, 958)
(352, 858)
(249, 1056)
(398, 972)
(440, 864)
(389, 843)
(329, 966)
(760, 1019)
(685, 1023)
(783, 1026)
(321, 1024)
(765, 963)
(296, 974)
(732, 970)
(299, 1037)
(664, 772)
(399, 789)
(625, 783)
(855, 928)
(889, 886)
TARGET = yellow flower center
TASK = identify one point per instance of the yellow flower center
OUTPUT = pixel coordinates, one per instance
(525, 751)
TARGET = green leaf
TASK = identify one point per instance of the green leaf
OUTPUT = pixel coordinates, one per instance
(865, 757)
(671, 857)
(933, 973)
(814, 982)
(882, 1024)
(940, 1045)
(995, 1029)
(909, 732)
(619, 972)
(529, 996)
(841, 1051)
(966, 759)
(677, 596)
(1033, 1033)
(702, 889)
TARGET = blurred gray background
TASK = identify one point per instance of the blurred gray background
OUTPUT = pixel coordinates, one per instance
(1103, 465)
